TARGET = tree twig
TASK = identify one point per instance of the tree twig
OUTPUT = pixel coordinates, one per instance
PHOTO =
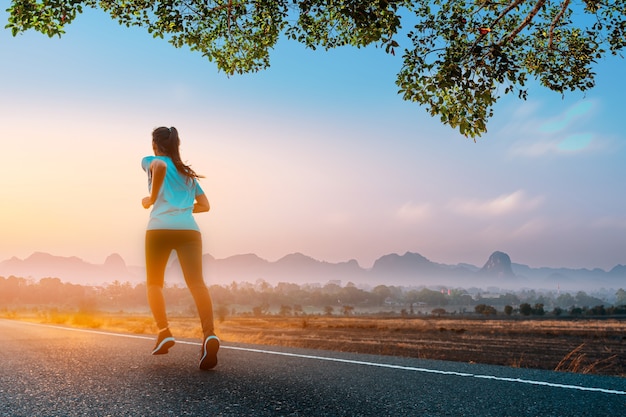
(525, 22)
(506, 11)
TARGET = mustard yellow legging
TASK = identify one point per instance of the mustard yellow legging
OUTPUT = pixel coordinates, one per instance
(188, 246)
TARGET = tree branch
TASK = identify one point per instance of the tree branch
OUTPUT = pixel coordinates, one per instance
(557, 18)
(230, 11)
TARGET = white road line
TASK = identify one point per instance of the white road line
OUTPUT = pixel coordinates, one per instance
(355, 362)
(433, 371)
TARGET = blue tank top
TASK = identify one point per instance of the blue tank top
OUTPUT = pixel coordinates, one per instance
(174, 205)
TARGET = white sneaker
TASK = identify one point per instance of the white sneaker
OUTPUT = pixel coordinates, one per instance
(209, 352)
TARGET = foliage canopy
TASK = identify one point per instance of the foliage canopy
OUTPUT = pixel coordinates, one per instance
(459, 56)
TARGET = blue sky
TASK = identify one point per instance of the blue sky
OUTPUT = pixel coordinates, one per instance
(318, 154)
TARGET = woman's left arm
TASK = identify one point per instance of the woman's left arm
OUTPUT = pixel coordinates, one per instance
(202, 204)
(158, 169)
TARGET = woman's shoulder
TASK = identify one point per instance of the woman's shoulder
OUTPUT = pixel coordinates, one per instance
(147, 160)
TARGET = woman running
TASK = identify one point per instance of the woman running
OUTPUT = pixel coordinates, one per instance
(174, 195)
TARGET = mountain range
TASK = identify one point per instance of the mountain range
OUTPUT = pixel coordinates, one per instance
(408, 270)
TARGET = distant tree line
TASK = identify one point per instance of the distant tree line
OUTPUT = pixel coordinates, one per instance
(526, 309)
(262, 298)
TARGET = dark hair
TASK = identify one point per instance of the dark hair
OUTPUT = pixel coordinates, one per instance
(167, 141)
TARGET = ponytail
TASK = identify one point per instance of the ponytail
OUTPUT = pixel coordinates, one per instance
(168, 142)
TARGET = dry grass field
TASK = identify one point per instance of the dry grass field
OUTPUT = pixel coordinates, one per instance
(583, 346)
(594, 346)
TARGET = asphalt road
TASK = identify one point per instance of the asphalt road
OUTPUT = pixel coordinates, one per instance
(59, 371)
